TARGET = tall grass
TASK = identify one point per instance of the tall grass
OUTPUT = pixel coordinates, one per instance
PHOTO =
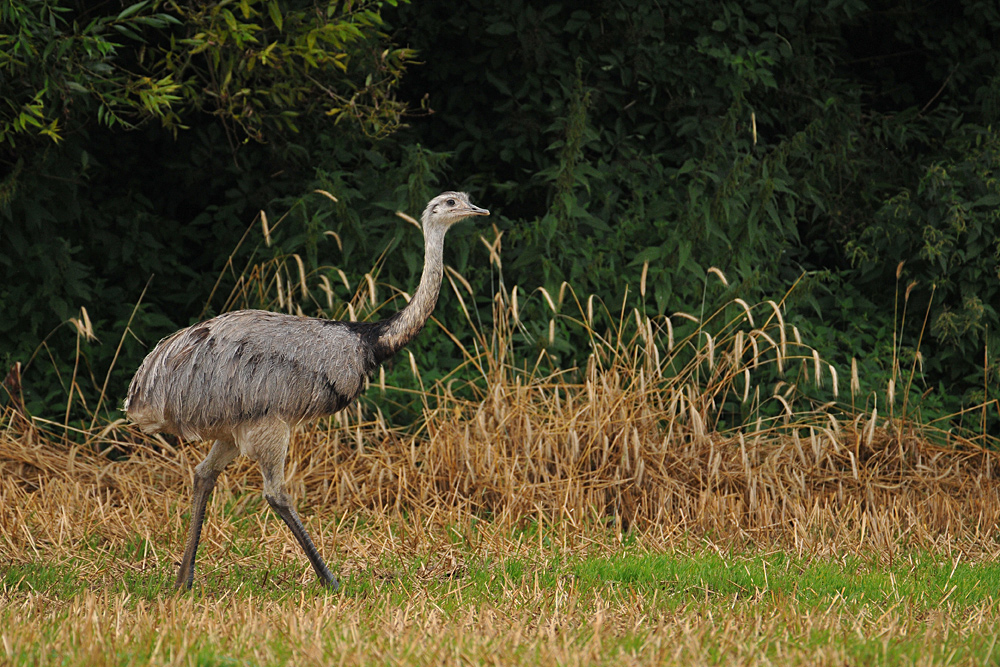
(689, 425)
(702, 488)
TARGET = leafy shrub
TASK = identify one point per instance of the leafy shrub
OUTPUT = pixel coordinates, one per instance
(617, 144)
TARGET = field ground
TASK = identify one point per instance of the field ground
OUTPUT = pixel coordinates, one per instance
(518, 604)
(87, 572)
(606, 516)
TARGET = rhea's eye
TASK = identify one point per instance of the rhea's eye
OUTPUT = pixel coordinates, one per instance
(450, 202)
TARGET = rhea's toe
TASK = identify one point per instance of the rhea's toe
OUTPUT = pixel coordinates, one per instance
(330, 583)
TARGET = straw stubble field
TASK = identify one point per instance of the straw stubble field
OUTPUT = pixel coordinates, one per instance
(571, 518)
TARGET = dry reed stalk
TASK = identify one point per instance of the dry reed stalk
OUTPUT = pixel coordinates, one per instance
(516, 454)
(632, 441)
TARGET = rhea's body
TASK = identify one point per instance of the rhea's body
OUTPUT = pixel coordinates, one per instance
(252, 365)
(246, 379)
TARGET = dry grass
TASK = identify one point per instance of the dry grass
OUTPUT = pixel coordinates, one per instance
(529, 464)
(631, 440)
(103, 629)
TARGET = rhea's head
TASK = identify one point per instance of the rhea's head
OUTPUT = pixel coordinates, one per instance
(448, 208)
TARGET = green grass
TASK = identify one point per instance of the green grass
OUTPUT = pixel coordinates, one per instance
(540, 605)
(924, 580)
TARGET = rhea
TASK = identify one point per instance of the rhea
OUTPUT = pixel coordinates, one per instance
(247, 378)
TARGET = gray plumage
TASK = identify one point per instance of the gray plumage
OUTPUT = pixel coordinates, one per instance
(245, 379)
(245, 365)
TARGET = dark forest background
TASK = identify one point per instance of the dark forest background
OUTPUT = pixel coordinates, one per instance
(843, 156)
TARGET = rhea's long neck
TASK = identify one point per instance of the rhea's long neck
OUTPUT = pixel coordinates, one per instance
(407, 323)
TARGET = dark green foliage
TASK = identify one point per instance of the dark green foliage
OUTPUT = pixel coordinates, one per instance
(946, 227)
(811, 144)
(91, 212)
(62, 62)
(771, 140)
(257, 65)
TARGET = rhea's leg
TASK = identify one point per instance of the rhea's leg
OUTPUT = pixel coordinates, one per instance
(280, 503)
(268, 445)
(205, 473)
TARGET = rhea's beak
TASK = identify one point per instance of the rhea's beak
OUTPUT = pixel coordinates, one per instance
(475, 210)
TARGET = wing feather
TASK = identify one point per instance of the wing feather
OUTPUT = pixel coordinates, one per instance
(247, 365)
